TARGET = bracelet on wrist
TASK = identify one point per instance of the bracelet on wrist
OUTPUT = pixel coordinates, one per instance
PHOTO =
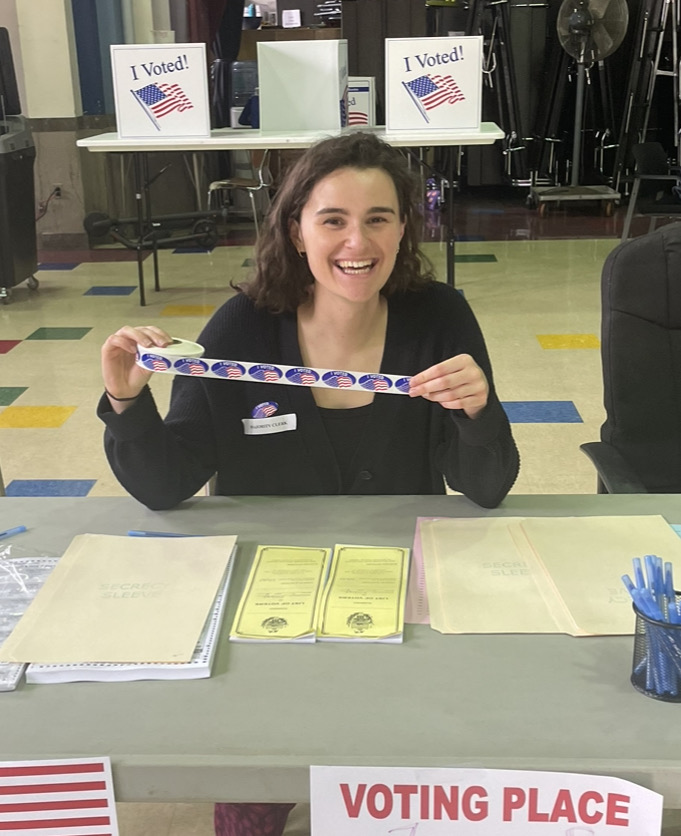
(114, 398)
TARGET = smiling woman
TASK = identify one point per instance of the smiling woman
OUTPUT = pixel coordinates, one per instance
(340, 284)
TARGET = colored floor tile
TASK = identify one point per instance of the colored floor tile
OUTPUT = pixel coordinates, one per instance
(568, 341)
(111, 290)
(187, 310)
(8, 394)
(35, 416)
(542, 412)
(49, 487)
(59, 334)
(58, 265)
(475, 258)
(7, 345)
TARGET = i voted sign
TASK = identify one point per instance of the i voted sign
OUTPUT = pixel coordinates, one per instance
(433, 83)
(377, 801)
(160, 90)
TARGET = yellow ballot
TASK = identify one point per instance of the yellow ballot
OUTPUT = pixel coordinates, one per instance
(364, 598)
(282, 595)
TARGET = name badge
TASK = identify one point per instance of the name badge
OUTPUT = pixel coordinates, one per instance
(275, 424)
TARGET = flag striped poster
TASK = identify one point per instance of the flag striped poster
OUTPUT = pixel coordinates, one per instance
(70, 797)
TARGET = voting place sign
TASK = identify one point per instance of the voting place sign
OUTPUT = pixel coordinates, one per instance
(377, 801)
(433, 83)
(160, 90)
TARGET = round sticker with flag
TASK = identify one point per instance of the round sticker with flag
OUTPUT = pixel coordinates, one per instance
(375, 382)
(265, 409)
(230, 371)
(339, 380)
(402, 385)
(302, 376)
(265, 373)
(191, 365)
(154, 362)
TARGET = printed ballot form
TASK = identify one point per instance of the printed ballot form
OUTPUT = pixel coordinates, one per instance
(282, 595)
(364, 599)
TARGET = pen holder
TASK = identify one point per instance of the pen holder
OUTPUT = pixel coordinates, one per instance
(656, 669)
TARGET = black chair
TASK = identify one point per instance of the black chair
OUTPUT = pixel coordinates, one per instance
(651, 192)
(640, 447)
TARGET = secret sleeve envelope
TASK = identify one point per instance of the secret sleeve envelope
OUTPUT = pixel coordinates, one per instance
(539, 574)
(122, 599)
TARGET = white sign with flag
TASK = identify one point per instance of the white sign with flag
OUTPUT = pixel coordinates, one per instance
(377, 801)
(160, 90)
(67, 796)
(433, 83)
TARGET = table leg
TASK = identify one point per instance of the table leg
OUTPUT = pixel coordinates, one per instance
(450, 217)
(139, 200)
(147, 206)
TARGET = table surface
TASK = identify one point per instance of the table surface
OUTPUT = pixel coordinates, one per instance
(247, 138)
(250, 732)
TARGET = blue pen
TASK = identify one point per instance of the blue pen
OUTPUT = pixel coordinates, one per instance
(134, 533)
(12, 531)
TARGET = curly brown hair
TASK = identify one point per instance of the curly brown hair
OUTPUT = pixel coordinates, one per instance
(282, 279)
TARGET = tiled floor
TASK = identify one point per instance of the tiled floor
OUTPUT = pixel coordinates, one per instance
(533, 283)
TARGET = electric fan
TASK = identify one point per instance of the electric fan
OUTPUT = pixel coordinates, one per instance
(589, 31)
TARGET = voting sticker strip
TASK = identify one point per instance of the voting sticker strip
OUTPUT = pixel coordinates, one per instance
(157, 361)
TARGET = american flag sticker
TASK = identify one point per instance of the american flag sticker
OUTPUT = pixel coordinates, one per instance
(402, 384)
(71, 797)
(154, 362)
(158, 100)
(339, 380)
(192, 366)
(375, 382)
(265, 373)
(265, 409)
(230, 371)
(302, 376)
(430, 91)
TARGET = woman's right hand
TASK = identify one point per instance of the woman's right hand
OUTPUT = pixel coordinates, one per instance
(123, 378)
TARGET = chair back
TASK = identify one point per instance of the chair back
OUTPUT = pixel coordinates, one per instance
(651, 158)
(641, 355)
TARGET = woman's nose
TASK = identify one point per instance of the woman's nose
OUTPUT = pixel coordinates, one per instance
(356, 235)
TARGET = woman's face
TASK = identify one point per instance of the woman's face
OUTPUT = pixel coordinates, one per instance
(350, 230)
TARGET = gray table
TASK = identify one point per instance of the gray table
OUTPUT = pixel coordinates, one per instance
(251, 731)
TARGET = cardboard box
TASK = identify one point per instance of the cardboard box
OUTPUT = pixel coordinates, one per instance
(433, 83)
(303, 85)
(362, 100)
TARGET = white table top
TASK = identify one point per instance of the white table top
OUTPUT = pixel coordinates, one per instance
(247, 138)
(252, 730)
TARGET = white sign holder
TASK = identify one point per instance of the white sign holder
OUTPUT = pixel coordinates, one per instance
(433, 83)
(160, 90)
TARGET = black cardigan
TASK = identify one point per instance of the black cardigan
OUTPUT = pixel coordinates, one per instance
(408, 444)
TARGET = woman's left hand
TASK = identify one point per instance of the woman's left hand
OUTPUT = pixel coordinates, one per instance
(456, 383)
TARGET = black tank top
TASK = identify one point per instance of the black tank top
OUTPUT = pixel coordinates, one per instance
(344, 428)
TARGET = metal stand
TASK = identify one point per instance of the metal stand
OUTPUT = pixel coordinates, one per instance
(490, 18)
(654, 19)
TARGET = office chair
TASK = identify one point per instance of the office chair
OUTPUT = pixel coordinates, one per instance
(651, 193)
(260, 181)
(640, 446)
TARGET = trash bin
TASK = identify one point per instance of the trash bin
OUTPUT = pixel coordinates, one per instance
(18, 244)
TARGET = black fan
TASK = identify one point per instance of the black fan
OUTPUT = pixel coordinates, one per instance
(589, 31)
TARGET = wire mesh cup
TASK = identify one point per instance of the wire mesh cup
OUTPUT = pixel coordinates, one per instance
(656, 669)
